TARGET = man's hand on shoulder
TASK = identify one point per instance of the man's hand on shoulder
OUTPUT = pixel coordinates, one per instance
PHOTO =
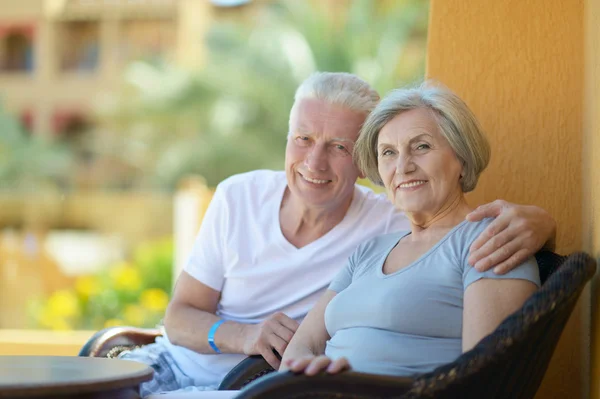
(517, 232)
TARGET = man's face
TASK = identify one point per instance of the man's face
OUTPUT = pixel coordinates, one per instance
(318, 157)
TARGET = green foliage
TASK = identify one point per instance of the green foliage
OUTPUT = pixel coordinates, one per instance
(27, 161)
(232, 115)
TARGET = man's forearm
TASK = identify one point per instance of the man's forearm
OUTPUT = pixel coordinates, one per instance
(189, 327)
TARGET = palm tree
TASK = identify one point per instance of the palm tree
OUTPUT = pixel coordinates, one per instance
(232, 115)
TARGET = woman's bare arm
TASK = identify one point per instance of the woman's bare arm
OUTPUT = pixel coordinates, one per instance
(311, 336)
(489, 301)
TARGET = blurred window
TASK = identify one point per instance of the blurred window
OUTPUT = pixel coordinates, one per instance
(70, 123)
(79, 46)
(149, 40)
(16, 48)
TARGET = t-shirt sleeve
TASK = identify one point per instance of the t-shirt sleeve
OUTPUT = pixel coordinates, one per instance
(344, 277)
(528, 270)
(205, 263)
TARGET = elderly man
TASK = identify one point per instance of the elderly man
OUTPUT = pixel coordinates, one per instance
(271, 242)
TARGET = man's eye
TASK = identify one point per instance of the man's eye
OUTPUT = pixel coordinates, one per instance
(339, 149)
(302, 140)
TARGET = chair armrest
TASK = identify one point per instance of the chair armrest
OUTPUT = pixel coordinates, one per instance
(350, 383)
(548, 262)
(245, 372)
(113, 340)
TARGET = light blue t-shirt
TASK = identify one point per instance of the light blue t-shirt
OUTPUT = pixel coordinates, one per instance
(409, 321)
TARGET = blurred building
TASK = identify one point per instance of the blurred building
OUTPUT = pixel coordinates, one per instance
(57, 56)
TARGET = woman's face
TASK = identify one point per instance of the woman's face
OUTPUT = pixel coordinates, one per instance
(418, 167)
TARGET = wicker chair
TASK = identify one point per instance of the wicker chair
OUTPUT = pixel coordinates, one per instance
(109, 342)
(509, 363)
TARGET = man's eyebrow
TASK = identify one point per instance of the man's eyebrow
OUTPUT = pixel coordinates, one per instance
(342, 139)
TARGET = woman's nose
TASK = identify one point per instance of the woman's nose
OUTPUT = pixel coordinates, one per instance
(405, 165)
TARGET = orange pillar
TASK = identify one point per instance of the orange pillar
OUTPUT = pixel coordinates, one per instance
(520, 67)
(591, 173)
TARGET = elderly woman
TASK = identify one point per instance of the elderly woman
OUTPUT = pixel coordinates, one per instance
(408, 302)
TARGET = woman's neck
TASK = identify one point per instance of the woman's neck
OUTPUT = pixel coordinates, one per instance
(452, 213)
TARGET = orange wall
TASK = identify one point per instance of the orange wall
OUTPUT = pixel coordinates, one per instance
(520, 67)
(591, 173)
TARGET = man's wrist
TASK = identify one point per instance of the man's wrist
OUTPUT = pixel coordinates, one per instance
(230, 337)
(211, 335)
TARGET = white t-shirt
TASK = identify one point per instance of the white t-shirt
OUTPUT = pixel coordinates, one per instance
(241, 252)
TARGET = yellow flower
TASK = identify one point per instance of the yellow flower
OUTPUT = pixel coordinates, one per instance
(134, 315)
(87, 286)
(53, 322)
(60, 324)
(62, 303)
(126, 277)
(114, 323)
(144, 254)
(154, 299)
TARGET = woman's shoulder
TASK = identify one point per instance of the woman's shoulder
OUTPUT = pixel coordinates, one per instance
(466, 232)
(457, 242)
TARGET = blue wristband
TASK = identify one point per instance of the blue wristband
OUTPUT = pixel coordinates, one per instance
(211, 335)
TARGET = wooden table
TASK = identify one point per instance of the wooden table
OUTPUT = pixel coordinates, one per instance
(53, 377)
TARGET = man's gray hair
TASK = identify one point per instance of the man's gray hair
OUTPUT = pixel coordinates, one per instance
(456, 122)
(339, 88)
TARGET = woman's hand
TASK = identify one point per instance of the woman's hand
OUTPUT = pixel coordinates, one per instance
(312, 365)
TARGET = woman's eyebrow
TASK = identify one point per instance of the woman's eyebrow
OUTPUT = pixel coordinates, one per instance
(420, 136)
(411, 140)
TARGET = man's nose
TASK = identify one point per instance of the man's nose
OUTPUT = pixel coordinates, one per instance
(316, 160)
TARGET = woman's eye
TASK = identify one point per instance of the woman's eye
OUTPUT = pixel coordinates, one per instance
(423, 146)
(386, 152)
